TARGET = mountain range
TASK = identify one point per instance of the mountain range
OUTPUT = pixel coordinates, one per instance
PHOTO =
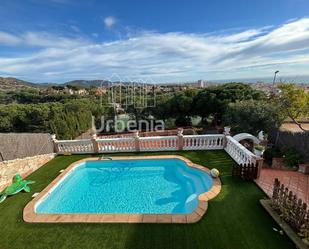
(12, 84)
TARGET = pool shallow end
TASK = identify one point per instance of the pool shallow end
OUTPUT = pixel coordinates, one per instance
(29, 214)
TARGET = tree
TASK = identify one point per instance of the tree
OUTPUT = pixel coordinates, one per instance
(162, 110)
(58, 88)
(7, 116)
(178, 106)
(214, 101)
(74, 88)
(67, 120)
(204, 104)
(294, 102)
(253, 116)
(181, 107)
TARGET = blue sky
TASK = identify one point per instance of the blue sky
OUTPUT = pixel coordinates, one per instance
(61, 40)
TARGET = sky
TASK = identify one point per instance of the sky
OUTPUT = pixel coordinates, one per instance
(153, 40)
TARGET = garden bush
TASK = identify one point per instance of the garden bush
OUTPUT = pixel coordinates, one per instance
(291, 157)
(270, 153)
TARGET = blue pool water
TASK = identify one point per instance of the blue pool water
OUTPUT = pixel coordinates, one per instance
(152, 186)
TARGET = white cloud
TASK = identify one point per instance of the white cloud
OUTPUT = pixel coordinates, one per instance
(109, 21)
(243, 36)
(9, 39)
(164, 56)
(44, 39)
(39, 39)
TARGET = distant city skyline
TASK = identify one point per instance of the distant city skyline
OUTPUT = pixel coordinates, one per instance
(63, 40)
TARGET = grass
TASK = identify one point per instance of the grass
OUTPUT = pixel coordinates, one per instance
(234, 220)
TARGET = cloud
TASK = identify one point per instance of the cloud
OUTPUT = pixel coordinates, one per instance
(109, 21)
(9, 39)
(242, 36)
(173, 56)
(39, 39)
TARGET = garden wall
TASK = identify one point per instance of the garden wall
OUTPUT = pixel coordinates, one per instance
(22, 145)
(23, 166)
(296, 140)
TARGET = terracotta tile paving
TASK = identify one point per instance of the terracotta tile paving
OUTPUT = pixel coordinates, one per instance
(295, 181)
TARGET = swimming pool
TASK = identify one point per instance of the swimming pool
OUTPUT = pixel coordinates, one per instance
(135, 186)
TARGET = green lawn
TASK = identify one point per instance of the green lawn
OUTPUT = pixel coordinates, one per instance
(234, 219)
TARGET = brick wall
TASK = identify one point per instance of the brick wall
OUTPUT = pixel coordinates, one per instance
(24, 166)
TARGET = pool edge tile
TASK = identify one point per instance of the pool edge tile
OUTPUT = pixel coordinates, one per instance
(150, 218)
(179, 218)
(164, 218)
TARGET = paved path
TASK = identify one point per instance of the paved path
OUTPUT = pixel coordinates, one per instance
(295, 181)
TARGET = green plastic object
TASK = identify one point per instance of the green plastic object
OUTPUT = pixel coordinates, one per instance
(18, 185)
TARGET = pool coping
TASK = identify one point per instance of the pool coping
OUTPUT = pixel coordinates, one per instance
(29, 214)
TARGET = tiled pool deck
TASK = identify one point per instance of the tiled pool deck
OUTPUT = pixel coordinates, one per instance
(29, 214)
(295, 181)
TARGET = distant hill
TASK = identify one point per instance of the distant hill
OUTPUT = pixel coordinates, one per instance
(87, 83)
(12, 84)
(93, 83)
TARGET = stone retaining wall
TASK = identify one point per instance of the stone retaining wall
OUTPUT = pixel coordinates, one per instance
(24, 166)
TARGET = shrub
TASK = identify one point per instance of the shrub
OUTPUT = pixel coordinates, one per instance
(270, 153)
(183, 121)
(292, 158)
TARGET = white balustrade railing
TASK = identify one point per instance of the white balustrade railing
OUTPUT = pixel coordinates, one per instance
(159, 143)
(126, 144)
(75, 146)
(164, 143)
(239, 152)
(203, 142)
